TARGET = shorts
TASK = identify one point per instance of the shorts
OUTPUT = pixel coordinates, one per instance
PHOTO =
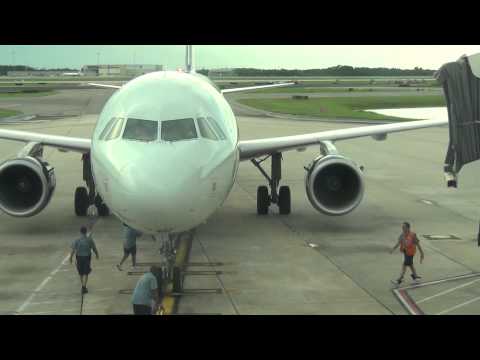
(142, 309)
(408, 260)
(83, 265)
(131, 251)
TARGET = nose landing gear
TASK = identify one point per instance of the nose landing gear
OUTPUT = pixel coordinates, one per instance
(85, 198)
(282, 198)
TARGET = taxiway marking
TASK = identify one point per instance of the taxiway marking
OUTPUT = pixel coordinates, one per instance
(42, 285)
(459, 306)
(447, 291)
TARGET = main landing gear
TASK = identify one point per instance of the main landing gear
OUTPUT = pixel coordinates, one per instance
(282, 197)
(85, 198)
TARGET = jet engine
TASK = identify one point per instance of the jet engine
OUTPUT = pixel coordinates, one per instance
(26, 186)
(334, 184)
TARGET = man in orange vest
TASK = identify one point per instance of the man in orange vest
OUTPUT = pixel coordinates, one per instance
(408, 243)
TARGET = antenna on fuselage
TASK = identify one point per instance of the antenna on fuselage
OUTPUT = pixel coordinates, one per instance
(189, 68)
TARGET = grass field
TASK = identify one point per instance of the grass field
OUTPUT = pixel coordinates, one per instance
(344, 107)
(6, 113)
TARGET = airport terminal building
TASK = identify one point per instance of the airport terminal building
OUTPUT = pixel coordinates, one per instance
(119, 70)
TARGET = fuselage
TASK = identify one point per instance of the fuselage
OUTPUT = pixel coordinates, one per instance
(164, 151)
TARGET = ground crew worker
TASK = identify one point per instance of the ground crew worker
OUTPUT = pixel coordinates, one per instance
(145, 297)
(83, 248)
(129, 246)
(408, 243)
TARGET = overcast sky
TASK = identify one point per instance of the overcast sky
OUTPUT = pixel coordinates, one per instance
(214, 56)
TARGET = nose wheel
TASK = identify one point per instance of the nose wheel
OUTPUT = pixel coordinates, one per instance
(265, 198)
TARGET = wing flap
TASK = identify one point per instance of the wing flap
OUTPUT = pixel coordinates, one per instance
(253, 148)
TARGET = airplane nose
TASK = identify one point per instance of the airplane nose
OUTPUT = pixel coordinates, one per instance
(165, 187)
(159, 193)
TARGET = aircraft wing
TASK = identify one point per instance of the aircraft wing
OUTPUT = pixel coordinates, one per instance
(228, 91)
(250, 149)
(105, 86)
(64, 143)
(224, 91)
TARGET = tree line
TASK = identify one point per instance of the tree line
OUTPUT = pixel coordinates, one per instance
(340, 70)
(4, 69)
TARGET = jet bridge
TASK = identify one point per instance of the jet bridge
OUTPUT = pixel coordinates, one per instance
(461, 85)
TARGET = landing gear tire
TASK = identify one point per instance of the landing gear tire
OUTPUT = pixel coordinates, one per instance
(284, 200)
(102, 208)
(263, 200)
(81, 201)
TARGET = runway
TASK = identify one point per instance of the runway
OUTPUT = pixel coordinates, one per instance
(304, 263)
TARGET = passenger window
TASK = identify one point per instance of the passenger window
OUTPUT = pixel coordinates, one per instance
(206, 129)
(181, 129)
(116, 130)
(217, 128)
(107, 128)
(141, 130)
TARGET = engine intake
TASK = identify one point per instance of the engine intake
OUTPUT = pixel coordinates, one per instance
(334, 184)
(26, 186)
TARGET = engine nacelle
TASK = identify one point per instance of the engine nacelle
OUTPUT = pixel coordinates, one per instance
(26, 186)
(334, 184)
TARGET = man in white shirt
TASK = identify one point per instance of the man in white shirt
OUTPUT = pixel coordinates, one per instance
(145, 297)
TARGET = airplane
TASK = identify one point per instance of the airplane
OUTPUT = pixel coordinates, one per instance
(72, 74)
(165, 152)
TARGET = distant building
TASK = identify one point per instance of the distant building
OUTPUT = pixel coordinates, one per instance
(119, 70)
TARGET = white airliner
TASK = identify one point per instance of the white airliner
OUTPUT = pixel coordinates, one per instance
(165, 153)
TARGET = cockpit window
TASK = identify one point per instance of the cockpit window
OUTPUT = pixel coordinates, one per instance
(116, 129)
(218, 129)
(141, 130)
(206, 130)
(181, 129)
(107, 128)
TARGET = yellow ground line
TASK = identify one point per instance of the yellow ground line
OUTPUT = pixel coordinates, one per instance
(169, 301)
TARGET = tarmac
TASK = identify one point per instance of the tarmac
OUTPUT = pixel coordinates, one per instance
(241, 263)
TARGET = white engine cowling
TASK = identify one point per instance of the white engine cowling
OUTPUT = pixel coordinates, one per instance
(334, 184)
(26, 186)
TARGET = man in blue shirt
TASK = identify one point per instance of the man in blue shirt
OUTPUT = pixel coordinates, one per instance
(129, 246)
(83, 248)
(145, 297)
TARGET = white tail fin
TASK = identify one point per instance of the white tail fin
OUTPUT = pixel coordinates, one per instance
(189, 67)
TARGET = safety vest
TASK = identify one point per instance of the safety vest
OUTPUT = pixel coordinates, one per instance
(408, 244)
